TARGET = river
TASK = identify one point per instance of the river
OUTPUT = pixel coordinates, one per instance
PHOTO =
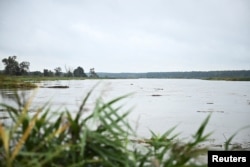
(159, 104)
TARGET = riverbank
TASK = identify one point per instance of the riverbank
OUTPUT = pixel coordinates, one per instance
(28, 82)
(229, 78)
(9, 82)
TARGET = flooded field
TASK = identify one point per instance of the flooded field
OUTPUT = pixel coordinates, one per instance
(158, 104)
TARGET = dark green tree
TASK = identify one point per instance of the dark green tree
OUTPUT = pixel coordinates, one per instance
(36, 73)
(79, 72)
(92, 73)
(69, 72)
(11, 65)
(24, 67)
(58, 71)
(47, 73)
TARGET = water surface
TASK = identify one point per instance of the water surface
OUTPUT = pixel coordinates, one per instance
(159, 104)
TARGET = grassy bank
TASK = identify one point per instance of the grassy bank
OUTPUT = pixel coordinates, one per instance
(9, 82)
(102, 137)
(28, 82)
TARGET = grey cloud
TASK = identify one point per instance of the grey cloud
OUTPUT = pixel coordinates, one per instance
(113, 35)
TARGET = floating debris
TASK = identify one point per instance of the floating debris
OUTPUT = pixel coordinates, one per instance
(236, 146)
(156, 95)
(217, 145)
(58, 86)
(210, 111)
(3, 110)
(159, 89)
(4, 117)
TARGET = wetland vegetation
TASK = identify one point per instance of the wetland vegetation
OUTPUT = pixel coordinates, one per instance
(8, 82)
(14, 68)
(102, 137)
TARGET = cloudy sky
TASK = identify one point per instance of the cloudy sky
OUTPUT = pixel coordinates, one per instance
(127, 35)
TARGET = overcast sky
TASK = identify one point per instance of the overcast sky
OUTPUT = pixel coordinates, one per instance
(127, 35)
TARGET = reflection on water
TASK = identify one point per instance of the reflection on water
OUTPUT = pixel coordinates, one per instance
(159, 104)
(8, 94)
(14, 97)
(5, 94)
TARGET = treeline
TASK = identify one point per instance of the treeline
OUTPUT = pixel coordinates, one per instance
(121, 75)
(188, 75)
(200, 74)
(13, 67)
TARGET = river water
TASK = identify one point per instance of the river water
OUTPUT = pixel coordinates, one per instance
(159, 104)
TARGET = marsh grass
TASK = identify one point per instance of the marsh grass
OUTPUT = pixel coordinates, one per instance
(12, 82)
(99, 139)
(30, 82)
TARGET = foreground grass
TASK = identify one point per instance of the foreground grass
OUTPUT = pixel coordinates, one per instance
(97, 139)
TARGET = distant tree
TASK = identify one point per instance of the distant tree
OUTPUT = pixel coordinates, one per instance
(47, 73)
(24, 67)
(92, 73)
(79, 72)
(69, 72)
(36, 73)
(58, 71)
(11, 65)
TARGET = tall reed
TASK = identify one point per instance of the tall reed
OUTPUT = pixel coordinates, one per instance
(102, 138)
